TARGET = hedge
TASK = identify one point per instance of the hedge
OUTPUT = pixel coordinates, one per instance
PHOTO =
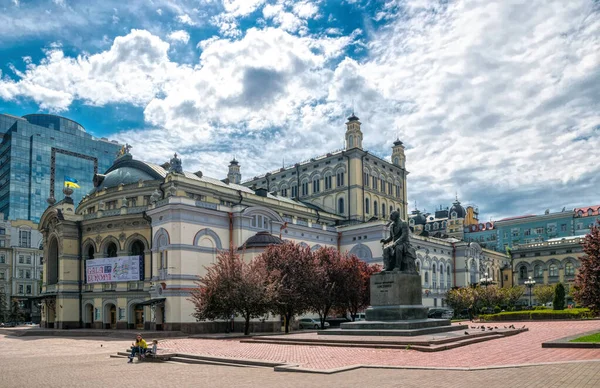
(582, 313)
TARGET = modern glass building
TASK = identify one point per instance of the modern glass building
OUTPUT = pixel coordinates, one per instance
(37, 152)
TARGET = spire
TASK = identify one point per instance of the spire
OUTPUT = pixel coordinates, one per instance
(234, 175)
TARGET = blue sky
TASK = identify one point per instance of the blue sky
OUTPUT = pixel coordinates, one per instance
(496, 101)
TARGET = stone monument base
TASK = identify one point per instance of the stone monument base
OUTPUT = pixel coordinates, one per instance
(396, 309)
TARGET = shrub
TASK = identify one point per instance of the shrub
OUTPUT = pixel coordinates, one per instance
(497, 309)
(539, 315)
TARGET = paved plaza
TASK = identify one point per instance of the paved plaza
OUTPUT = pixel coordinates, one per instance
(86, 362)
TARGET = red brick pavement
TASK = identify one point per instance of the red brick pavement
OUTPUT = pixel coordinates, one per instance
(522, 349)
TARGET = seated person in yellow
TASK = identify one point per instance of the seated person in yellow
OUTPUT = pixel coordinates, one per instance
(139, 346)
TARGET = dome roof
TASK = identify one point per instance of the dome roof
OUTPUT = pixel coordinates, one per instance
(460, 211)
(261, 240)
(419, 218)
(127, 171)
(123, 175)
(353, 117)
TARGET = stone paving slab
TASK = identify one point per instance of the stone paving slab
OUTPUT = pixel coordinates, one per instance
(523, 349)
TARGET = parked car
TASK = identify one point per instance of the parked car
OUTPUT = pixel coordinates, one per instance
(310, 323)
(440, 313)
(360, 317)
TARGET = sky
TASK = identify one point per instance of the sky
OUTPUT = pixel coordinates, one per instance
(496, 101)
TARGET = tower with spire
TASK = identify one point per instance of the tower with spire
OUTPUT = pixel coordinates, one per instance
(398, 157)
(234, 175)
(354, 135)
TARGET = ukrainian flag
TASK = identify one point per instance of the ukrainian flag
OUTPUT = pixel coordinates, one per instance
(71, 182)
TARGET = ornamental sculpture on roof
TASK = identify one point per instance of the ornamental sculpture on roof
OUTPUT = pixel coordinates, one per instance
(176, 165)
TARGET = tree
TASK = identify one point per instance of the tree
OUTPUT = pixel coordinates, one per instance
(16, 314)
(326, 290)
(511, 295)
(559, 297)
(461, 299)
(357, 285)
(232, 286)
(3, 307)
(543, 293)
(292, 268)
(587, 283)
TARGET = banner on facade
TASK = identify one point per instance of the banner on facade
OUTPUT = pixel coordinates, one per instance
(113, 269)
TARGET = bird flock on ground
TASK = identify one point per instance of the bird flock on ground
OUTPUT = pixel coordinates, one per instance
(490, 328)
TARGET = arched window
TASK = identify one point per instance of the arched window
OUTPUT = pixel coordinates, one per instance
(454, 215)
(473, 273)
(90, 252)
(339, 178)
(436, 226)
(418, 267)
(328, 180)
(294, 189)
(316, 184)
(523, 272)
(367, 206)
(350, 141)
(538, 272)
(569, 269)
(391, 209)
(553, 270)
(396, 161)
(341, 207)
(375, 210)
(427, 227)
(426, 277)
(52, 262)
(590, 212)
(304, 187)
(433, 277)
(449, 283)
(443, 224)
(162, 245)
(111, 250)
(383, 210)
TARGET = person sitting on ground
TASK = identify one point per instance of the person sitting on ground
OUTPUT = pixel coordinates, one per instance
(139, 347)
(152, 351)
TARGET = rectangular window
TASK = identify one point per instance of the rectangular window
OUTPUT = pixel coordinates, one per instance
(2, 259)
(28, 260)
(20, 274)
(132, 201)
(579, 226)
(539, 230)
(21, 259)
(284, 192)
(382, 184)
(389, 188)
(515, 232)
(25, 238)
(27, 274)
(20, 288)
(110, 205)
(2, 231)
(2, 275)
(563, 227)
(91, 210)
(2, 243)
(28, 289)
(527, 232)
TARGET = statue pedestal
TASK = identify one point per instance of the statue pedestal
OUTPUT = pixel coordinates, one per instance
(396, 309)
(396, 296)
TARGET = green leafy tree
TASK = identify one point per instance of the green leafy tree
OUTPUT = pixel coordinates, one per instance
(559, 297)
(16, 314)
(586, 290)
(543, 293)
(511, 295)
(461, 298)
(232, 286)
(3, 307)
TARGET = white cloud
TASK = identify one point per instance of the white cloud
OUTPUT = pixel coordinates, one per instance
(241, 7)
(179, 36)
(496, 100)
(185, 19)
(159, 12)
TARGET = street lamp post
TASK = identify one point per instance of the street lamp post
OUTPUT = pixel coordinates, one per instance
(529, 283)
(486, 280)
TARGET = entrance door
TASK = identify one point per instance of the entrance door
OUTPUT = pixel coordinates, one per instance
(113, 317)
(139, 318)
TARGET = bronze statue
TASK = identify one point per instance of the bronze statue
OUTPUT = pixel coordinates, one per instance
(398, 254)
